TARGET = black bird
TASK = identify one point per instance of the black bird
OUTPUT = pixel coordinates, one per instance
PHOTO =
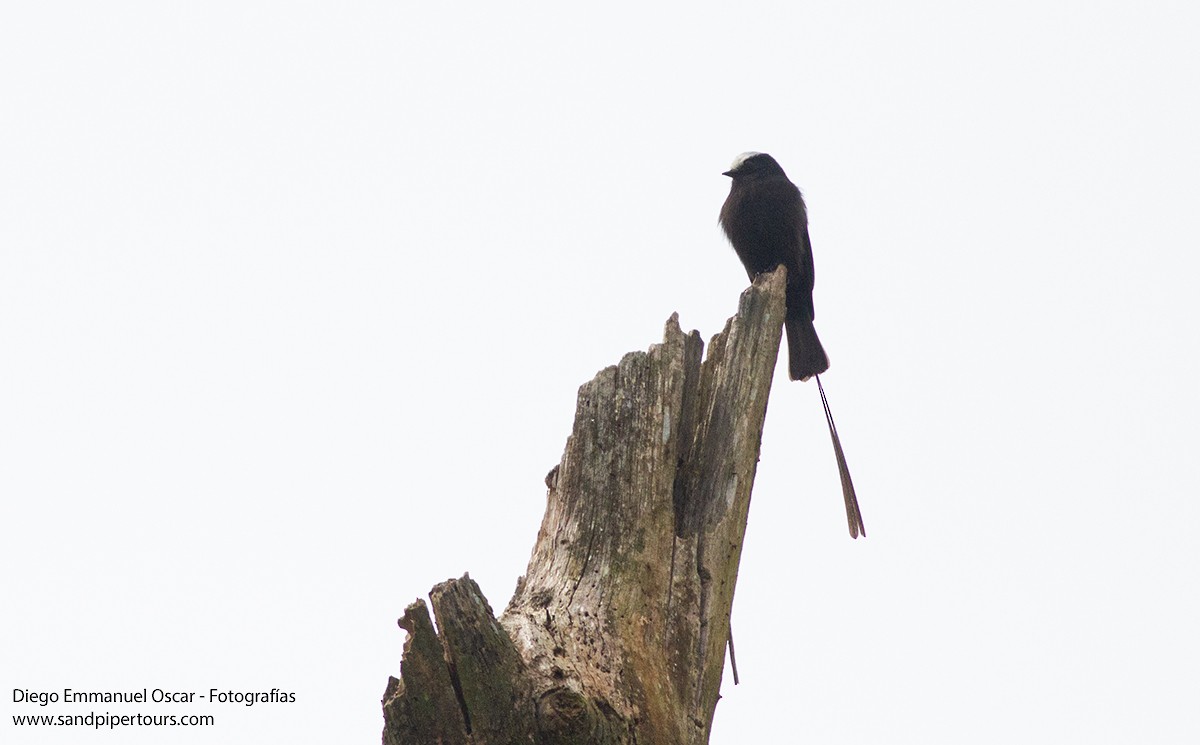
(767, 224)
(766, 221)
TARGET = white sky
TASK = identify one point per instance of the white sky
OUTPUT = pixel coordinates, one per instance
(295, 299)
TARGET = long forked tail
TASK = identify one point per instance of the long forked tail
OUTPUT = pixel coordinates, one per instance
(806, 356)
(853, 513)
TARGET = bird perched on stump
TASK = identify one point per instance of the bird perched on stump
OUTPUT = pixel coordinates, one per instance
(765, 219)
(767, 224)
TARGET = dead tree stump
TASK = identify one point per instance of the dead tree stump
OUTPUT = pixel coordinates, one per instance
(617, 631)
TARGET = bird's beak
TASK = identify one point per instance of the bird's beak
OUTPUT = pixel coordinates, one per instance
(728, 173)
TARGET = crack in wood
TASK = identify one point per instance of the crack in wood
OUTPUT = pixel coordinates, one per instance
(458, 694)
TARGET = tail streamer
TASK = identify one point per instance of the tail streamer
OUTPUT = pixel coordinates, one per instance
(853, 514)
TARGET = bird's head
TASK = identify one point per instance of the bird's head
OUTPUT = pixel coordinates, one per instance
(753, 165)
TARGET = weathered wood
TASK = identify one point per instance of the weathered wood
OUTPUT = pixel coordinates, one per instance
(617, 631)
(422, 706)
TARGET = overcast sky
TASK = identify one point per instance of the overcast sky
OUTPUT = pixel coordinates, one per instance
(295, 299)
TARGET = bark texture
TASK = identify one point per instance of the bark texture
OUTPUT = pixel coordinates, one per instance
(617, 631)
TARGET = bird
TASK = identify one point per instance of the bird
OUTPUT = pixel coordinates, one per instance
(766, 220)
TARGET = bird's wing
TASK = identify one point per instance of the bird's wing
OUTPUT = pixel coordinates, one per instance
(783, 195)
